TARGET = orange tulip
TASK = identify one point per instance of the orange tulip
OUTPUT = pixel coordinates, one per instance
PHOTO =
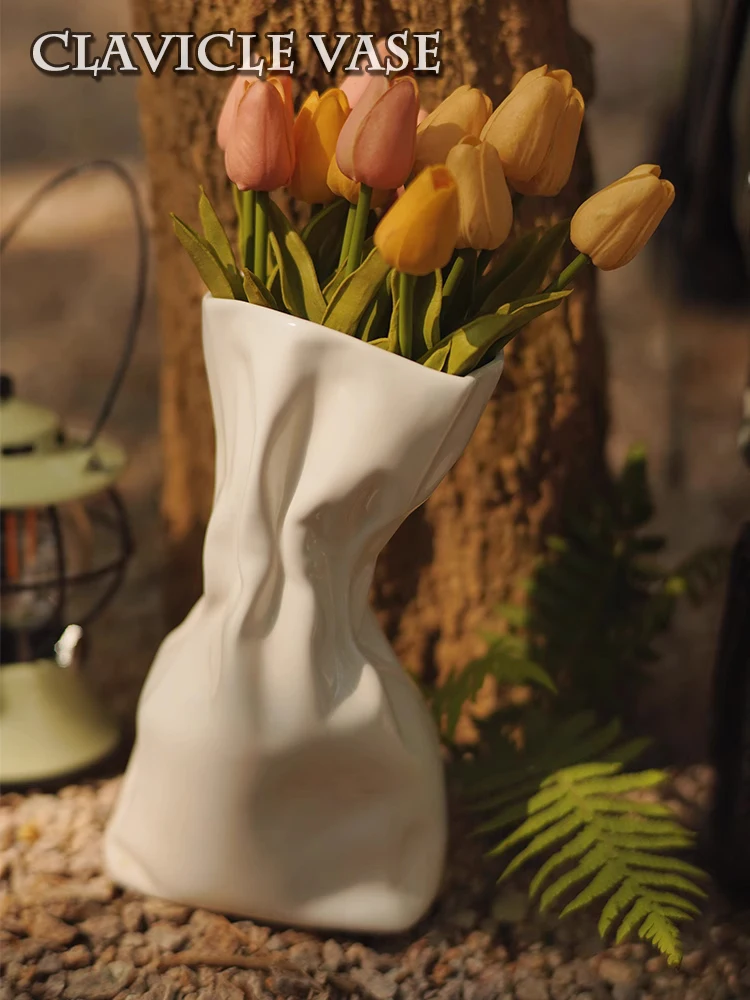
(259, 154)
(376, 145)
(418, 233)
(316, 131)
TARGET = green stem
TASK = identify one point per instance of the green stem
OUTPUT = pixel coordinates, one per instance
(565, 277)
(247, 224)
(454, 275)
(260, 236)
(359, 228)
(406, 283)
(347, 234)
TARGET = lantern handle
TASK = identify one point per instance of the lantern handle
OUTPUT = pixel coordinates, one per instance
(141, 277)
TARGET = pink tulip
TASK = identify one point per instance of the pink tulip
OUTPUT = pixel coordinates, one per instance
(259, 154)
(376, 145)
(235, 94)
(229, 109)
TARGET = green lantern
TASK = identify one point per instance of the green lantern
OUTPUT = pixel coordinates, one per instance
(65, 545)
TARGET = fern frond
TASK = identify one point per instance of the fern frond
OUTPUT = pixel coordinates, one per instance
(505, 660)
(601, 846)
(564, 745)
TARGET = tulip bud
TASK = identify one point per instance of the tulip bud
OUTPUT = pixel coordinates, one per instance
(418, 233)
(555, 170)
(485, 209)
(464, 112)
(229, 109)
(376, 144)
(316, 131)
(617, 222)
(259, 155)
(524, 127)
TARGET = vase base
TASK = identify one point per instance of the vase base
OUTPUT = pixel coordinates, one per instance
(358, 909)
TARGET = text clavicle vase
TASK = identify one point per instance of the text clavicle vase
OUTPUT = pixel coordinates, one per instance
(286, 768)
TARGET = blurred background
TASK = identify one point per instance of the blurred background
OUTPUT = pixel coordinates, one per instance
(677, 368)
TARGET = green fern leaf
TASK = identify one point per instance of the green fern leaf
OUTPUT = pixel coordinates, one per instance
(593, 863)
(616, 904)
(505, 661)
(547, 838)
(608, 878)
(601, 845)
(663, 863)
(635, 915)
(573, 849)
(661, 931)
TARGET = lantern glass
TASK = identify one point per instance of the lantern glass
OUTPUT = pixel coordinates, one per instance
(60, 565)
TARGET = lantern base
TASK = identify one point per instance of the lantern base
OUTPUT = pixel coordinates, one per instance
(50, 723)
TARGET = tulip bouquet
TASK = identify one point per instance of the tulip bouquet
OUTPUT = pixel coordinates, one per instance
(407, 247)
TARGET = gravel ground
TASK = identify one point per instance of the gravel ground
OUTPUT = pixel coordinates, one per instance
(68, 933)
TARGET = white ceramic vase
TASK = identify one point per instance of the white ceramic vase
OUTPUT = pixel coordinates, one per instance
(286, 767)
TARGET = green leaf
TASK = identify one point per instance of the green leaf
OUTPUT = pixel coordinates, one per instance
(505, 264)
(506, 663)
(394, 289)
(256, 292)
(437, 358)
(355, 293)
(606, 877)
(205, 260)
(323, 235)
(333, 285)
(375, 323)
(470, 343)
(383, 342)
(525, 279)
(295, 295)
(299, 283)
(214, 232)
(428, 300)
(606, 846)
(458, 293)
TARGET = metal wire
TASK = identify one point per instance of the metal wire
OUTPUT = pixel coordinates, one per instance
(141, 277)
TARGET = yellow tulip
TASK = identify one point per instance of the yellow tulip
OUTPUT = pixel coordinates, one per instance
(316, 132)
(345, 187)
(555, 170)
(418, 233)
(617, 222)
(485, 209)
(462, 113)
(524, 128)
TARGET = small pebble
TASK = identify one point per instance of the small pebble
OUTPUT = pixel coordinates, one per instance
(167, 937)
(532, 989)
(615, 970)
(77, 957)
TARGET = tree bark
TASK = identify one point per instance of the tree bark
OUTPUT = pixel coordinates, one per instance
(541, 441)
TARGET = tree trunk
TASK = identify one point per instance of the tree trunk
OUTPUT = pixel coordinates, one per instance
(541, 440)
